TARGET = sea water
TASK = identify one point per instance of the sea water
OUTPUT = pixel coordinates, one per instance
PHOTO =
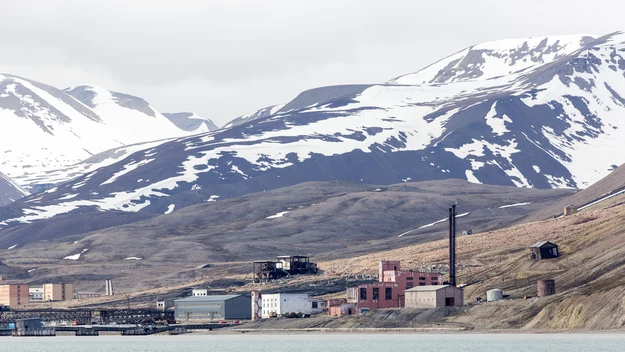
(330, 342)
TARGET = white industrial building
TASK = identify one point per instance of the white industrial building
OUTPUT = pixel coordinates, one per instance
(35, 293)
(204, 291)
(277, 304)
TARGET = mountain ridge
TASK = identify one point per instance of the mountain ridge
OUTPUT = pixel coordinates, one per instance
(551, 121)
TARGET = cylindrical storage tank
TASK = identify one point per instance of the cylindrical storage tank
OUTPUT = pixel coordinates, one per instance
(546, 287)
(494, 295)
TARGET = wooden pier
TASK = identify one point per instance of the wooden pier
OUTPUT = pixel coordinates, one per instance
(35, 332)
(123, 330)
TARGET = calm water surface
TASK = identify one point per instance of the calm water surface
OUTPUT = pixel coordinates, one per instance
(322, 342)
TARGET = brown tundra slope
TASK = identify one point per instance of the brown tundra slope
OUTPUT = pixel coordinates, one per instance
(589, 275)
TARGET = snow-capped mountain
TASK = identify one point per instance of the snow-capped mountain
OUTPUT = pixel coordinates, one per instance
(191, 122)
(255, 115)
(44, 128)
(539, 112)
(9, 190)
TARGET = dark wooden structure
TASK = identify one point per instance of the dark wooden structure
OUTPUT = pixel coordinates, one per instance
(297, 264)
(283, 266)
(544, 250)
(267, 270)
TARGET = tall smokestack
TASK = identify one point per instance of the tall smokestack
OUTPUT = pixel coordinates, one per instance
(452, 245)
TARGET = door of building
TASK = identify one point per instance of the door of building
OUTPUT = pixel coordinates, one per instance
(449, 302)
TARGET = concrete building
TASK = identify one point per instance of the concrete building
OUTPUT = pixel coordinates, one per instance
(434, 297)
(388, 292)
(164, 304)
(340, 307)
(108, 288)
(14, 295)
(198, 291)
(35, 293)
(544, 250)
(570, 210)
(58, 292)
(277, 304)
(217, 307)
(84, 295)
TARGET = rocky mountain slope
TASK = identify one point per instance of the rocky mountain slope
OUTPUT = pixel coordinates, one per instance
(588, 273)
(311, 218)
(606, 189)
(44, 128)
(258, 114)
(9, 190)
(191, 122)
(538, 112)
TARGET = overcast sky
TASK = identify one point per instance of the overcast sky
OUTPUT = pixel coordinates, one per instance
(225, 58)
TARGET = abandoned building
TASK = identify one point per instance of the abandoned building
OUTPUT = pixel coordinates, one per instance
(388, 292)
(339, 307)
(215, 307)
(278, 304)
(283, 266)
(544, 250)
(570, 210)
(434, 297)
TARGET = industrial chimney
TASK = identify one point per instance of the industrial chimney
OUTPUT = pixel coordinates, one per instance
(452, 245)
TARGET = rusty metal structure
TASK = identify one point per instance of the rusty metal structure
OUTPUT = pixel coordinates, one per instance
(546, 287)
(283, 266)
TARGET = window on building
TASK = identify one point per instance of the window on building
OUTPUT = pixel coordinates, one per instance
(315, 305)
(434, 278)
(388, 293)
(409, 278)
(422, 278)
(433, 283)
(376, 293)
(421, 283)
(409, 285)
(363, 293)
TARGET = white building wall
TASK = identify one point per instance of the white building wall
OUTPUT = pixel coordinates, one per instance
(199, 292)
(281, 303)
(36, 293)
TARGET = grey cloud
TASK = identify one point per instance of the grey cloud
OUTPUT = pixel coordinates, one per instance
(243, 55)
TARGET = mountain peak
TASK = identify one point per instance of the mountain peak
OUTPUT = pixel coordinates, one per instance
(191, 122)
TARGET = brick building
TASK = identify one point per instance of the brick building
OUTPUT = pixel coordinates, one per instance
(14, 295)
(388, 292)
(58, 292)
(340, 307)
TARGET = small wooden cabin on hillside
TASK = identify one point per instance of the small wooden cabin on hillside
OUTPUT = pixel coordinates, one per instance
(544, 250)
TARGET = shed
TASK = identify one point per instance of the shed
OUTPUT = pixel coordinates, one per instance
(570, 210)
(544, 250)
(434, 296)
(29, 324)
(217, 307)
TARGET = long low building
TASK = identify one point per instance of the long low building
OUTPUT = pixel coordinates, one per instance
(277, 304)
(434, 297)
(217, 307)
